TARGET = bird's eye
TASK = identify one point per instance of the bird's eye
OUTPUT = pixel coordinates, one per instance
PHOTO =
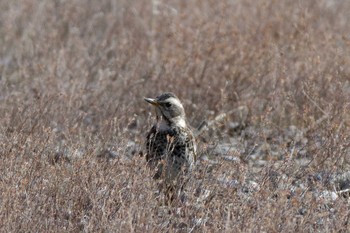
(168, 105)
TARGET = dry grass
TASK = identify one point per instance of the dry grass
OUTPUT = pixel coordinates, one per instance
(72, 118)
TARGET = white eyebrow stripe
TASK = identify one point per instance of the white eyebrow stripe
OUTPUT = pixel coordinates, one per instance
(175, 101)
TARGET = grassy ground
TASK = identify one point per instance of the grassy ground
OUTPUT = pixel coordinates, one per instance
(73, 119)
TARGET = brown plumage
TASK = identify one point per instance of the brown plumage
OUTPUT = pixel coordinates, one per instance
(170, 144)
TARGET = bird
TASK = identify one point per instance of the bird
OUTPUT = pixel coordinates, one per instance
(170, 143)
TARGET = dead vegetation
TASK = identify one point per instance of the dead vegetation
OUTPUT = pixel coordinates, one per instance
(274, 74)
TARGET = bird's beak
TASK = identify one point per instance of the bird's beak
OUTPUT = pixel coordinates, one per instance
(152, 101)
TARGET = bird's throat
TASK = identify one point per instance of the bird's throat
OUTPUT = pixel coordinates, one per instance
(163, 124)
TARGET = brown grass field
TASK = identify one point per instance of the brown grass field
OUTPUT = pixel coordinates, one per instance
(271, 77)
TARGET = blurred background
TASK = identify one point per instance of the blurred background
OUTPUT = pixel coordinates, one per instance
(271, 77)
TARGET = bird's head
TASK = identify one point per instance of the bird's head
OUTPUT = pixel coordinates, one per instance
(169, 109)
